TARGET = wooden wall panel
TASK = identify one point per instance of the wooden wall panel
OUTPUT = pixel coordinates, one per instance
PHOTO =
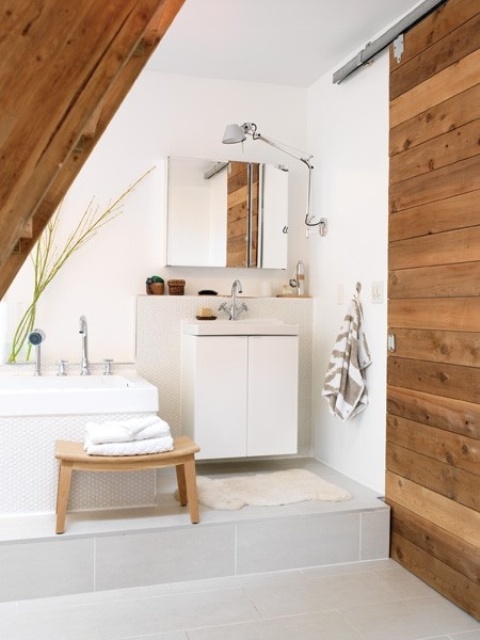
(452, 47)
(442, 118)
(441, 477)
(457, 211)
(433, 374)
(451, 280)
(433, 28)
(445, 413)
(450, 550)
(446, 314)
(457, 450)
(453, 347)
(446, 182)
(462, 590)
(452, 81)
(450, 247)
(458, 520)
(452, 381)
(450, 147)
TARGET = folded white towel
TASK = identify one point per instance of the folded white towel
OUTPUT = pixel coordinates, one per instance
(136, 448)
(128, 430)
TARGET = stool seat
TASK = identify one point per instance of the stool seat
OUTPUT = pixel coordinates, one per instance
(73, 457)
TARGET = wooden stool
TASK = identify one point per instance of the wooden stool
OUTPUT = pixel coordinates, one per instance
(73, 457)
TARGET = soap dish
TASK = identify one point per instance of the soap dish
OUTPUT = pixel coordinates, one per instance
(206, 317)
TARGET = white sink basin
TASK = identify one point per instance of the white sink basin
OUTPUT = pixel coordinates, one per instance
(244, 327)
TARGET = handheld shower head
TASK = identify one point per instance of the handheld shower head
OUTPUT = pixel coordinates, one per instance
(36, 337)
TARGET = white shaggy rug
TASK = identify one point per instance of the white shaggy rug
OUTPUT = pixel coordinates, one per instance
(266, 490)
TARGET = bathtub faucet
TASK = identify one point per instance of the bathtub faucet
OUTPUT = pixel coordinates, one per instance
(84, 365)
(35, 338)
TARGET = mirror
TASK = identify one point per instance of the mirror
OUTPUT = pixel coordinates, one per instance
(226, 214)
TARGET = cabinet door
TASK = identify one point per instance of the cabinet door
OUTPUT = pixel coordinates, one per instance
(220, 391)
(272, 395)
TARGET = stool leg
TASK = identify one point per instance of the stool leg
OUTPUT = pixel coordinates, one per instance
(191, 485)
(182, 487)
(64, 481)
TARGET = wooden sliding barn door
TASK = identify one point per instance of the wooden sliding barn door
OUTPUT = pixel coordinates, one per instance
(433, 395)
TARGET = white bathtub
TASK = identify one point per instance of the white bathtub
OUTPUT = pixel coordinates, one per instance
(64, 395)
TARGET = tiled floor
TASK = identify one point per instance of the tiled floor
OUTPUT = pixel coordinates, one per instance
(376, 600)
(369, 600)
(130, 548)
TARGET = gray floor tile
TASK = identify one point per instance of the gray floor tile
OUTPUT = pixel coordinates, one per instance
(312, 626)
(163, 614)
(237, 582)
(403, 583)
(60, 624)
(375, 600)
(315, 594)
(367, 566)
(8, 607)
(174, 635)
(409, 619)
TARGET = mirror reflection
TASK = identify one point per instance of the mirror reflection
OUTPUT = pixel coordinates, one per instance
(226, 214)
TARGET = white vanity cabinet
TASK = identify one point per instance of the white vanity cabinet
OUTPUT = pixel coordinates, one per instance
(240, 394)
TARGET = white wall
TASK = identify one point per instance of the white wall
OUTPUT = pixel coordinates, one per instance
(174, 115)
(348, 133)
(163, 115)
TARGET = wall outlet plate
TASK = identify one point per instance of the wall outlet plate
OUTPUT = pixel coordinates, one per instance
(377, 292)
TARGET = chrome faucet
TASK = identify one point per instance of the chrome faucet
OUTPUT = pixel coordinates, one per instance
(62, 368)
(84, 365)
(233, 309)
(236, 288)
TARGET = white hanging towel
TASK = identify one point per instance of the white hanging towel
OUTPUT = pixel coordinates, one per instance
(345, 387)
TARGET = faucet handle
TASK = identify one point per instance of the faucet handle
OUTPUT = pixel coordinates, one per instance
(62, 368)
(107, 371)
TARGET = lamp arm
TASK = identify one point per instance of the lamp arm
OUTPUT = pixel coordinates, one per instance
(281, 147)
(250, 128)
(306, 162)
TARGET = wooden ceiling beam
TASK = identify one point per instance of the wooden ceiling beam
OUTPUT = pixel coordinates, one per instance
(46, 168)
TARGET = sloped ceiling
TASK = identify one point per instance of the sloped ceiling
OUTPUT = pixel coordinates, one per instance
(65, 68)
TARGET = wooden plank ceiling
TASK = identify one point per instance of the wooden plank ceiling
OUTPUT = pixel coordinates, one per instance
(65, 69)
(433, 402)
